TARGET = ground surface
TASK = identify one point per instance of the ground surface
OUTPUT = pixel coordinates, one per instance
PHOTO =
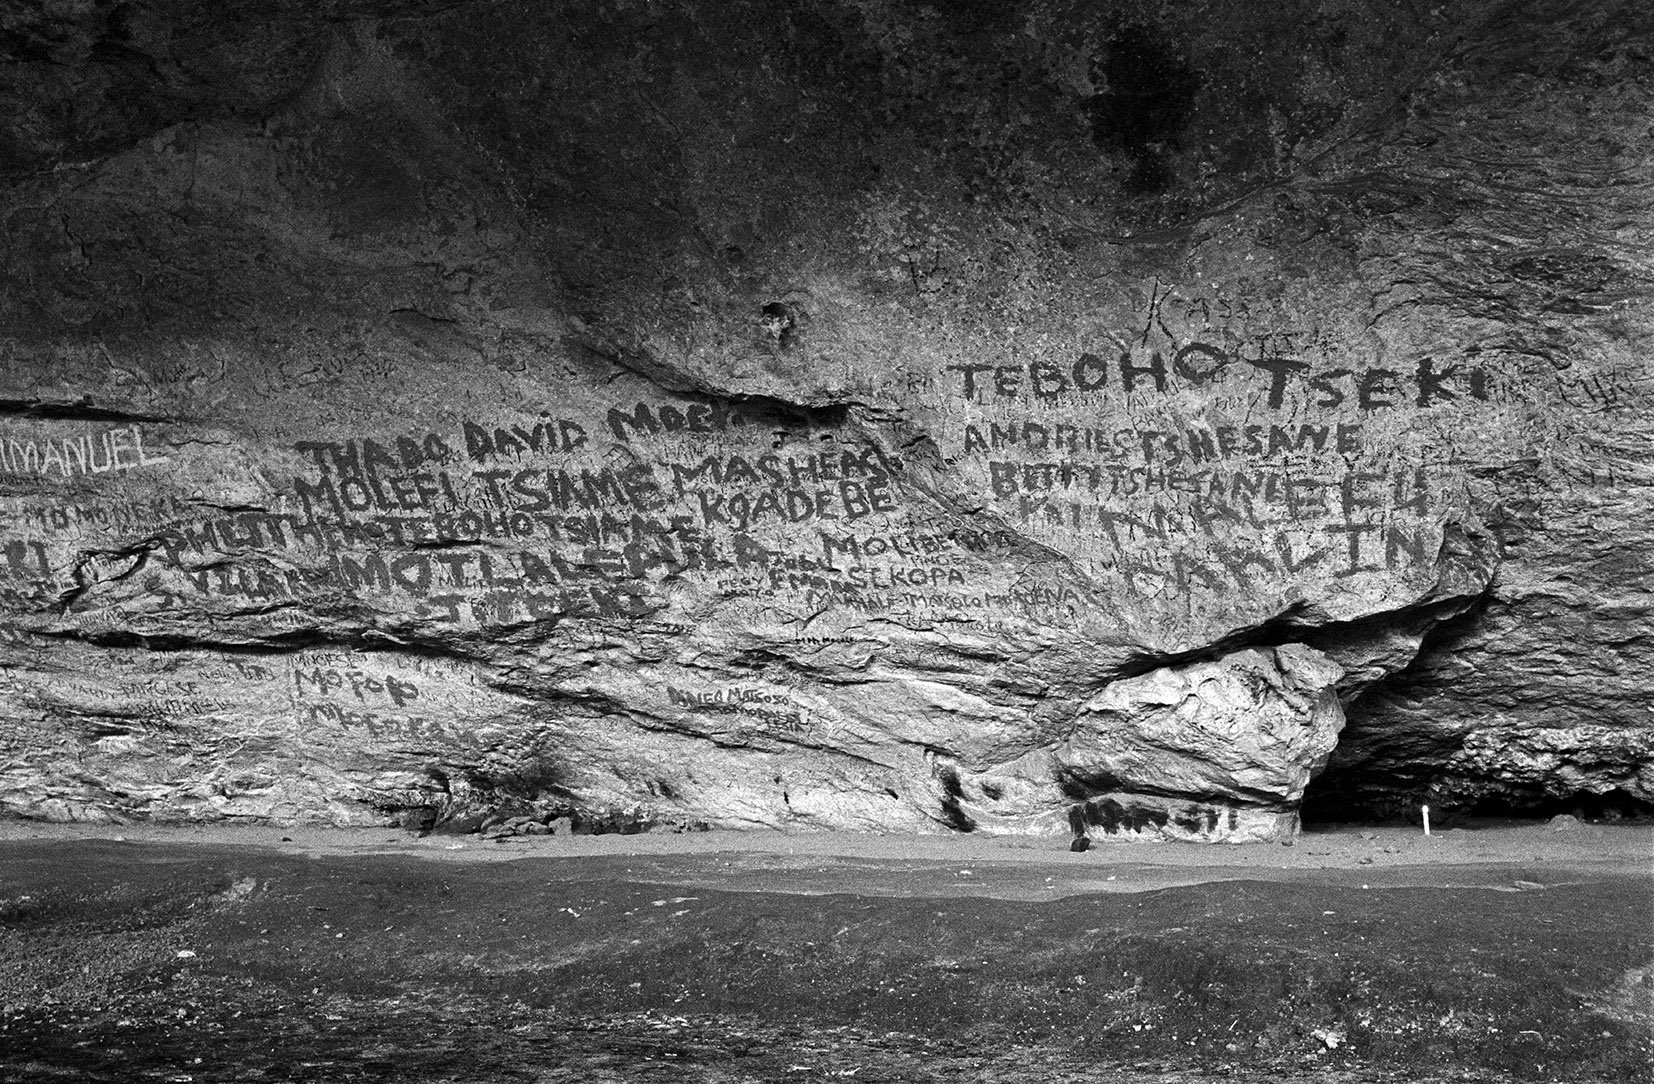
(1370, 955)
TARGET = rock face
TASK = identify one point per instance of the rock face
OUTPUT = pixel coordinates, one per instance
(860, 415)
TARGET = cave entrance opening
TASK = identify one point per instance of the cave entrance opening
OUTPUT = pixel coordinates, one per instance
(1339, 800)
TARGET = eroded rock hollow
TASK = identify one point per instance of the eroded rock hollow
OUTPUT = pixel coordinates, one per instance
(1017, 417)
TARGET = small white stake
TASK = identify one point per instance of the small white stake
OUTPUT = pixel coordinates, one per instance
(1426, 811)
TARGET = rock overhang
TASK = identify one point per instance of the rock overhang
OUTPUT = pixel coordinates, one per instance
(375, 458)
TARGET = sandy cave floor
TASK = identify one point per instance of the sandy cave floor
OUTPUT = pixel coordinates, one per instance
(1494, 952)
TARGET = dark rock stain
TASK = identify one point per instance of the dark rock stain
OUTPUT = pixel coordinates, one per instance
(1148, 96)
(953, 792)
(1113, 817)
(1198, 819)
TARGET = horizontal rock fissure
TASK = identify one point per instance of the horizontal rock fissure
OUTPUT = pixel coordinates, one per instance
(82, 411)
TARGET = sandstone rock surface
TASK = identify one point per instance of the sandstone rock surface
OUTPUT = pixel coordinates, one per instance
(859, 415)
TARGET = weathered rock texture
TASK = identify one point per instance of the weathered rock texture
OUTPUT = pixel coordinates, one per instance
(1044, 416)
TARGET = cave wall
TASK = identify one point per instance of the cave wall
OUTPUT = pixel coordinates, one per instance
(879, 415)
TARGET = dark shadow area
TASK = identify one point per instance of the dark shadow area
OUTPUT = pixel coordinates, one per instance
(1379, 773)
(1149, 95)
(1325, 810)
(1608, 808)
